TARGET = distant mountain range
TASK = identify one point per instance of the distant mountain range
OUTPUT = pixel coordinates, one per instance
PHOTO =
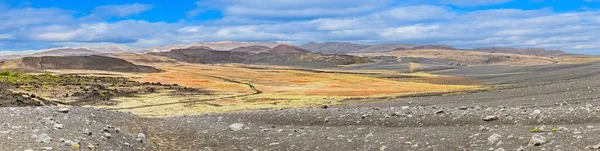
(279, 55)
(219, 45)
(348, 48)
(266, 47)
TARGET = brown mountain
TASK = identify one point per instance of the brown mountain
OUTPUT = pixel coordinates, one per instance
(288, 49)
(93, 62)
(286, 55)
(252, 49)
(333, 47)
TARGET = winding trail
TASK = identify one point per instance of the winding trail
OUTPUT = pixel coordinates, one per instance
(256, 92)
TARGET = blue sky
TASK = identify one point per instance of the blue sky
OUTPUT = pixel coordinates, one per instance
(572, 25)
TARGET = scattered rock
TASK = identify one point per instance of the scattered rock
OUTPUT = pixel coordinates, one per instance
(87, 132)
(59, 126)
(462, 108)
(490, 118)
(63, 110)
(91, 146)
(106, 135)
(273, 144)
(594, 147)
(537, 140)
(439, 111)
(141, 137)
(494, 138)
(42, 138)
(236, 127)
(72, 144)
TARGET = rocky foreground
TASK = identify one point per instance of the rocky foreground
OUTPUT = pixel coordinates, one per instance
(550, 115)
(54, 128)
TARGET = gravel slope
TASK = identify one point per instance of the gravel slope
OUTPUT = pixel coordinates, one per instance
(547, 109)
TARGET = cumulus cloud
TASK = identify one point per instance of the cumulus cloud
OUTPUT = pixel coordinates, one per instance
(121, 10)
(370, 22)
(290, 8)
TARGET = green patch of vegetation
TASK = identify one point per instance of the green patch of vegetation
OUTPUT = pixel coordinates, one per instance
(536, 130)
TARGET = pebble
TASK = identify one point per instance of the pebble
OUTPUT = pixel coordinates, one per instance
(43, 138)
(63, 110)
(91, 146)
(494, 138)
(236, 127)
(87, 132)
(490, 118)
(537, 140)
(141, 137)
(59, 126)
(106, 135)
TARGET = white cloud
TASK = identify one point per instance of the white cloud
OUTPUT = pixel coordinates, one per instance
(6, 36)
(121, 10)
(290, 8)
(316, 20)
(473, 2)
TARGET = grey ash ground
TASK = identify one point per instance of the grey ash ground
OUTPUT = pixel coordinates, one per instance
(554, 107)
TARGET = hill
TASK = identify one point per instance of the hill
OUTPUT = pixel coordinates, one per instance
(333, 47)
(287, 55)
(525, 51)
(93, 62)
(66, 52)
(465, 58)
(219, 45)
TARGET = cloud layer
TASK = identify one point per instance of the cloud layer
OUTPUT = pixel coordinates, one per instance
(369, 21)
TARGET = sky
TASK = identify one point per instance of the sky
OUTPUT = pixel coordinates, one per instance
(570, 25)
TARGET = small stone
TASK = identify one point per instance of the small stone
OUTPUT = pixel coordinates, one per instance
(405, 107)
(537, 140)
(236, 127)
(73, 144)
(563, 129)
(273, 144)
(535, 112)
(439, 111)
(47, 148)
(63, 110)
(462, 108)
(500, 149)
(494, 138)
(106, 135)
(490, 118)
(87, 132)
(43, 138)
(59, 126)
(91, 146)
(141, 137)
(594, 147)
(382, 148)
